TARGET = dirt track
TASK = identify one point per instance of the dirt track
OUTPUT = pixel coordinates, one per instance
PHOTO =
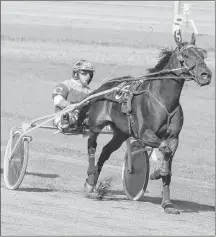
(40, 41)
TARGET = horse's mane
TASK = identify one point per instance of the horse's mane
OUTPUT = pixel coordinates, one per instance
(164, 57)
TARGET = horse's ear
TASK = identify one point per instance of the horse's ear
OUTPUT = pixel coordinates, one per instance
(193, 39)
(178, 37)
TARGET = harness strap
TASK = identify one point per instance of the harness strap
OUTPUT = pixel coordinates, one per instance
(130, 127)
(129, 106)
(142, 91)
(130, 118)
(131, 93)
(169, 114)
(159, 102)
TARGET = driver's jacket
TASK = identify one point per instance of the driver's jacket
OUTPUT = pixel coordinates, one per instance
(71, 90)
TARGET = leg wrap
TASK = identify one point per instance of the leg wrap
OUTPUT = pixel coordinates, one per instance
(91, 152)
(91, 168)
(166, 180)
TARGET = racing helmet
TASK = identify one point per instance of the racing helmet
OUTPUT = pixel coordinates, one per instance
(83, 65)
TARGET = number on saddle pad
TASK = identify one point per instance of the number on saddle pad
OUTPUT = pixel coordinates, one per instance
(120, 94)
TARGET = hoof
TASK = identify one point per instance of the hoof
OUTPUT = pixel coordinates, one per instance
(88, 188)
(170, 209)
(91, 179)
(90, 192)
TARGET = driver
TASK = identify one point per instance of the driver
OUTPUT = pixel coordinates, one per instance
(72, 91)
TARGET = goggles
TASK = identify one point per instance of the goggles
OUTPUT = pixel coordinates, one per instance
(84, 72)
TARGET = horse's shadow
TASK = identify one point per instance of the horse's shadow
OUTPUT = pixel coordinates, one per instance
(183, 206)
(51, 176)
(36, 190)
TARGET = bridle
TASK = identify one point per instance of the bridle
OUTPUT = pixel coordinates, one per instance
(184, 68)
(194, 64)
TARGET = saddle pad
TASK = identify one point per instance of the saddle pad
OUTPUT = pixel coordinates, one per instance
(122, 96)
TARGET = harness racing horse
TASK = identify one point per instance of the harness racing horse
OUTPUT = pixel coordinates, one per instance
(156, 114)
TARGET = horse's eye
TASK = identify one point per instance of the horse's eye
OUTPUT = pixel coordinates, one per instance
(185, 56)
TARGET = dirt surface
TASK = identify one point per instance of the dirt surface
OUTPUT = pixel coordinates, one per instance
(39, 43)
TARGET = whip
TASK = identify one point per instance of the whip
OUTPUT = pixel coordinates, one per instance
(134, 49)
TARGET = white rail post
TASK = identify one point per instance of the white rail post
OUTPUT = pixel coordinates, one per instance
(177, 6)
(177, 18)
(194, 27)
(186, 12)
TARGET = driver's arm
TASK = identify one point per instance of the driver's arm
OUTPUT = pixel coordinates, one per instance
(60, 101)
(59, 96)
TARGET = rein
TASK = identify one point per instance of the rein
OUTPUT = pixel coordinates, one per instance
(150, 79)
(147, 77)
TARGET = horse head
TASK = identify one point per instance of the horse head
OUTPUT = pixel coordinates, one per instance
(192, 59)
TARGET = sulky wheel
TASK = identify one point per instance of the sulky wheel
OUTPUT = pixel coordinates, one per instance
(136, 181)
(15, 165)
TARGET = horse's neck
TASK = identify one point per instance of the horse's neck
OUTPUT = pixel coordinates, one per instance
(168, 91)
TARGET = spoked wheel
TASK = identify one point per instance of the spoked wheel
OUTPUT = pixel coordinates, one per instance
(15, 165)
(136, 181)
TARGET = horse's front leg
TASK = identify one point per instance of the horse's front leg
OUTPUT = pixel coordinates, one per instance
(166, 202)
(91, 172)
(165, 169)
(167, 148)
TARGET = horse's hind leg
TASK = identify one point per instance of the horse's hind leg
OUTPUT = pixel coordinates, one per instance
(92, 144)
(118, 138)
(97, 120)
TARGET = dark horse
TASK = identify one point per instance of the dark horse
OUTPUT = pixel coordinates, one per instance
(155, 109)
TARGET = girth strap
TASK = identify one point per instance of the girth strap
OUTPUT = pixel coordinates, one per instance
(132, 93)
(171, 114)
(131, 122)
